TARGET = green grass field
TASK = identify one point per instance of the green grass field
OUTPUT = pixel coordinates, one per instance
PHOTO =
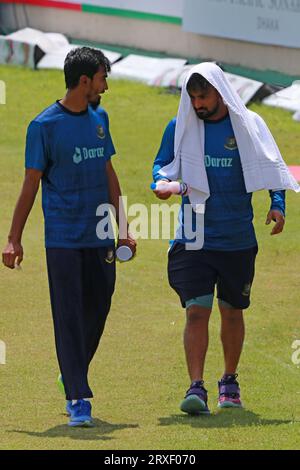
(139, 374)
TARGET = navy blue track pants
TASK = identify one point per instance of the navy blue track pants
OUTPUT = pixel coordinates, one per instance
(81, 283)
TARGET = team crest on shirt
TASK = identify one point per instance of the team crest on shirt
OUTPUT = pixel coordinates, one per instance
(100, 132)
(246, 289)
(230, 143)
(110, 256)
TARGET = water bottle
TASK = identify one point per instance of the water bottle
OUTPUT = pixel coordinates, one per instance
(175, 187)
(123, 253)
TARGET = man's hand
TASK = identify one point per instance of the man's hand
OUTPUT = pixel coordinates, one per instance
(279, 220)
(162, 194)
(12, 254)
(129, 241)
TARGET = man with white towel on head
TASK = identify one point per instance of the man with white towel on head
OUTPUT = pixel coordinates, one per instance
(223, 152)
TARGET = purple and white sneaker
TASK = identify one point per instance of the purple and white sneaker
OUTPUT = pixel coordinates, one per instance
(195, 400)
(229, 392)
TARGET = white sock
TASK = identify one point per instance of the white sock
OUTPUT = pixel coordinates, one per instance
(75, 401)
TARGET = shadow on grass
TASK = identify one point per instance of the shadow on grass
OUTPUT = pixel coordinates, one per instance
(100, 431)
(222, 419)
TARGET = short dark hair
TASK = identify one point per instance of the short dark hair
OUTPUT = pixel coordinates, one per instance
(197, 82)
(83, 61)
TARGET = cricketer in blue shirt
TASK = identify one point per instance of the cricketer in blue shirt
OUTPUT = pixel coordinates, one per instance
(69, 148)
(225, 264)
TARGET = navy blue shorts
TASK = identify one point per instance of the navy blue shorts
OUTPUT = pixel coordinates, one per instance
(194, 273)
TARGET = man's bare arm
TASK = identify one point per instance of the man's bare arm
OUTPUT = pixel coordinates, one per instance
(14, 249)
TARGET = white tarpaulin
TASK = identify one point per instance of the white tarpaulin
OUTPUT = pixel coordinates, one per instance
(245, 87)
(47, 42)
(173, 78)
(288, 98)
(55, 60)
(144, 69)
(14, 52)
(55, 47)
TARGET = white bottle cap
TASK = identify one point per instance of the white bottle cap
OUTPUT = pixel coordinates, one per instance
(124, 253)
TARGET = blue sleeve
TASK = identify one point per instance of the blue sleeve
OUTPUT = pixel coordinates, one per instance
(166, 151)
(278, 201)
(109, 146)
(36, 153)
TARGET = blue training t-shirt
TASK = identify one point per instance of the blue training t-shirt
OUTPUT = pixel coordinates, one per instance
(71, 149)
(228, 214)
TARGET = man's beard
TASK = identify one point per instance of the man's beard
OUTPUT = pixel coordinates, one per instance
(205, 114)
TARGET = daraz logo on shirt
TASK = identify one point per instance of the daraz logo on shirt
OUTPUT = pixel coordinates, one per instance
(84, 153)
(217, 162)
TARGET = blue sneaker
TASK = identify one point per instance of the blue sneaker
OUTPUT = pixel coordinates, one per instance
(80, 414)
(195, 400)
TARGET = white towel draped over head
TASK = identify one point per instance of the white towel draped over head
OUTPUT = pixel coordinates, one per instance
(262, 164)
